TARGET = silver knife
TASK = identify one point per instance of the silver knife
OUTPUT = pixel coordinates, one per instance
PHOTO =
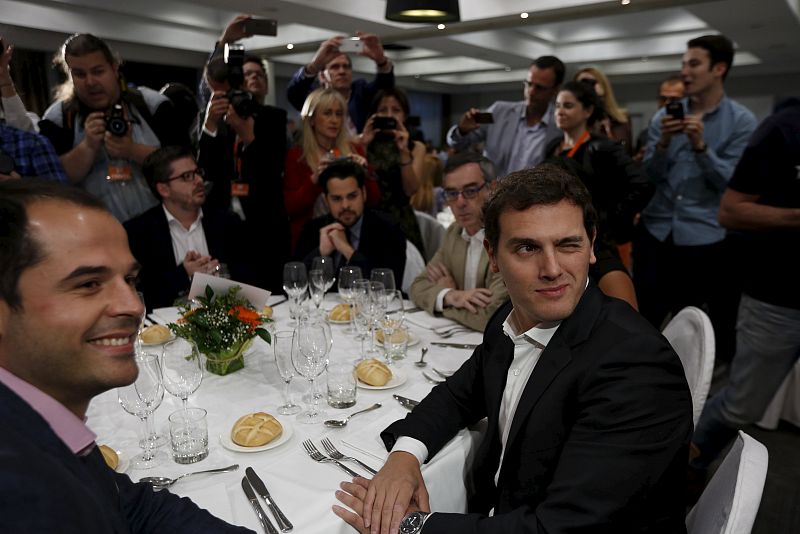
(405, 402)
(283, 523)
(455, 345)
(262, 516)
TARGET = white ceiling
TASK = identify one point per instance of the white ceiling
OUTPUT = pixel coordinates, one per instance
(491, 47)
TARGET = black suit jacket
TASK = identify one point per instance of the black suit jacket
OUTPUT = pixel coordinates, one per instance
(382, 244)
(46, 488)
(160, 279)
(598, 442)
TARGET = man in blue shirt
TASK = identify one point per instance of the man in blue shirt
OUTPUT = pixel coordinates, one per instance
(679, 249)
(28, 155)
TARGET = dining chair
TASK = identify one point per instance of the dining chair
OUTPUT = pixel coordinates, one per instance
(691, 335)
(432, 234)
(415, 264)
(731, 499)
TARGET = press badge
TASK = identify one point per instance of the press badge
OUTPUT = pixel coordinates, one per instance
(240, 189)
(119, 173)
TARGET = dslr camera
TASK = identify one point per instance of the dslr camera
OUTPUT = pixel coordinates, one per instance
(242, 101)
(116, 122)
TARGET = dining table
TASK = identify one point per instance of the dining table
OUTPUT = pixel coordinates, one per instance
(302, 488)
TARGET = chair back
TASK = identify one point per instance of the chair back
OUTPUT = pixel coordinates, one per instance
(730, 502)
(432, 234)
(691, 335)
(415, 264)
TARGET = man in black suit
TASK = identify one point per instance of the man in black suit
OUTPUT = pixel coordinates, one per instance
(68, 318)
(589, 413)
(178, 238)
(351, 233)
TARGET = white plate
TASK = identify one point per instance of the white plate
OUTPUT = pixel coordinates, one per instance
(225, 439)
(413, 339)
(398, 379)
(333, 321)
(123, 463)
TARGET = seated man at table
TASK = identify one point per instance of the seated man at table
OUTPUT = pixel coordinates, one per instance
(68, 317)
(457, 281)
(589, 414)
(352, 233)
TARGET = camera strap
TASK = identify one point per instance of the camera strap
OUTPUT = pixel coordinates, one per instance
(239, 188)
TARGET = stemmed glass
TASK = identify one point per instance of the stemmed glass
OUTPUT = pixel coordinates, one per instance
(384, 275)
(324, 264)
(316, 287)
(141, 399)
(181, 368)
(394, 316)
(283, 344)
(347, 278)
(295, 283)
(376, 308)
(309, 360)
(137, 343)
(361, 316)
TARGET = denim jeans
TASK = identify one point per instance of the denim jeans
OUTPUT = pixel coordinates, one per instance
(767, 347)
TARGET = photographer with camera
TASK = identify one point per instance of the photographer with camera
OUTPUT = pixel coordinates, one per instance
(242, 148)
(103, 130)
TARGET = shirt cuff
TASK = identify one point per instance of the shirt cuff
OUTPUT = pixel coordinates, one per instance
(411, 446)
(209, 132)
(439, 305)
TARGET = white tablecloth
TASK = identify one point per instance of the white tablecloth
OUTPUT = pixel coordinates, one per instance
(303, 488)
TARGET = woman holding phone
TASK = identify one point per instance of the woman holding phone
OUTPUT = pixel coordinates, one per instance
(618, 187)
(324, 139)
(396, 159)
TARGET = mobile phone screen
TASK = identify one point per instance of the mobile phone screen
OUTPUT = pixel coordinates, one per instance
(350, 45)
(261, 26)
(484, 117)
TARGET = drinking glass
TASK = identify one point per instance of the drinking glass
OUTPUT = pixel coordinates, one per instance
(324, 264)
(137, 343)
(347, 278)
(360, 292)
(181, 368)
(376, 309)
(316, 287)
(283, 344)
(188, 432)
(384, 275)
(395, 307)
(309, 361)
(295, 284)
(141, 399)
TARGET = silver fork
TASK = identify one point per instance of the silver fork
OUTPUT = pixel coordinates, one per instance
(453, 331)
(335, 454)
(317, 456)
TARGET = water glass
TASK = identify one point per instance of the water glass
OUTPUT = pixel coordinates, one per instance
(341, 385)
(324, 264)
(347, 279)
(395, 341)
(188, 432)
(283, 345)
(384, 275)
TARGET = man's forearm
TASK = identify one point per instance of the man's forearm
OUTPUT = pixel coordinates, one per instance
(78, 162)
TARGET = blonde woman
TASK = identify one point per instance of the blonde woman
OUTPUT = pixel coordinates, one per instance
(615, 124)
(425, 199)
(323, 140)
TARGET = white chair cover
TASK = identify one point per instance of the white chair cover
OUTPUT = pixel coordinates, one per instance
(730, 502)
(691, 335)
(786, 402)
(432, 234)
(414, 265)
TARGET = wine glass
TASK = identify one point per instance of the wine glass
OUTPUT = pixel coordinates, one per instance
(395, 307)
(295, 284)
(384, 275)
(324, 264)
(376, 308)
(316, 287)
(347, 278)
(359, 293)
(309, 360)
(137, 343)
(181, 368)
(141, 399)
(283, 344)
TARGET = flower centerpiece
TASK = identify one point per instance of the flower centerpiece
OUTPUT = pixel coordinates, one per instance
(223, 327)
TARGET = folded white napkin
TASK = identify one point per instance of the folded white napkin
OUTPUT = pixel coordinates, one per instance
(424, 319)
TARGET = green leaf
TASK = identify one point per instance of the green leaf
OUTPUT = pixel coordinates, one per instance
(263, 334)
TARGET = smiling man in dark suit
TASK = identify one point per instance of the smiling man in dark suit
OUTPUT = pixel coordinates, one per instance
(177, 238)
(589, 414)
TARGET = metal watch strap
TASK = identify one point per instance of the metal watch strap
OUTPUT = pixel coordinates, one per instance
(413, 522)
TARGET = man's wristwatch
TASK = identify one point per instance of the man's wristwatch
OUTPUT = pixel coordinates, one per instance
(412, 522)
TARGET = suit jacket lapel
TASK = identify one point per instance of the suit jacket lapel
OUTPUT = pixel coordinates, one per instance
(163, 240)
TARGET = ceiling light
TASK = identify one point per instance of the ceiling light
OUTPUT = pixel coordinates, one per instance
(508, 69)
(422, 10)
(290, 46)
(441, 26)
(625, 2)
(523, 15)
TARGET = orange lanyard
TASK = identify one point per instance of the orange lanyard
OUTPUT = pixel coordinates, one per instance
(582, 139)
(237, 160)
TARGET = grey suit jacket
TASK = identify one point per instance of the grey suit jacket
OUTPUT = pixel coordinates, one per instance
(453, 255)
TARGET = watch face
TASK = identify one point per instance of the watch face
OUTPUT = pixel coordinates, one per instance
(411, 523)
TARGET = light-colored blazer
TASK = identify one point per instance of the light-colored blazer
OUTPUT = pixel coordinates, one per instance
(453, 255)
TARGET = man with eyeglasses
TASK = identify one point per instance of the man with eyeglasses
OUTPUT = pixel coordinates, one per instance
(518, 133)
(458, 282)
(176, 239)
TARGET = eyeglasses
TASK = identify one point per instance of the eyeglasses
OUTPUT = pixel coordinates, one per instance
(451, 195)
(539, 87)
(188, 176)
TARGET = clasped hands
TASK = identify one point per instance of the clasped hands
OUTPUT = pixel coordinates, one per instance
(194, 262)
(378, 505)
(333, 238)
(469, 299)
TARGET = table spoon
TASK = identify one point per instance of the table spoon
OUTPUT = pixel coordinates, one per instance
(422, 363)
(340, 423)
(164, 482)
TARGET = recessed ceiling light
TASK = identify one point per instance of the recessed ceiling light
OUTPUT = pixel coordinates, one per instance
(625, 2)
(416, 76)
(523, 15)
(508, 69)
(645, 58)
(441, 26)
(290, 46)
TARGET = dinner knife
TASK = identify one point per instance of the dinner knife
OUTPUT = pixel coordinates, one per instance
(283, 523)
(405, 402)
(262, 516)
(455, 345)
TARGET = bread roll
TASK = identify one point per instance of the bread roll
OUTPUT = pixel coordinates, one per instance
(373, 372)
(255, 429)
(340, 312)
(157, 333)
(110, 456)
(266, 311)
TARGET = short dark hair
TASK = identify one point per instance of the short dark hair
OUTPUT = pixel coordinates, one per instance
(470, 156)
(585, 94)
(252, 58)
(156, 166)
(217, 70)
(18, 249)
(82, 44)
(546, 184)
(719, 48)
(551, 62)
(398, 94)
(342, 169)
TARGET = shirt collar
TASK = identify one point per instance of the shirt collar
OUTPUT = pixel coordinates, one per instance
(479, 235)
(546, 118)
(65, 424)
(540, 335)
(171, 217)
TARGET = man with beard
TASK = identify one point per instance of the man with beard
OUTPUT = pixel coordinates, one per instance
(351, 233)
(176, 239)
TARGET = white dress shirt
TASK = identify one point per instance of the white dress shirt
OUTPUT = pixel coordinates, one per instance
(184, 240)
(473, 259)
